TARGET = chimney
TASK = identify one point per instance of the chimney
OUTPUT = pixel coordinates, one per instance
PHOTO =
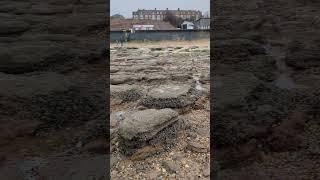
(178, 9)
(167, 8)
(155, 8)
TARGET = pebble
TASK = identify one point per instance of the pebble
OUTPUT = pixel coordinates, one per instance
(144, 153)
(178, 157)
(206, 171)
(197, 147)
(170, 166)
(153, 174)
(192, 135)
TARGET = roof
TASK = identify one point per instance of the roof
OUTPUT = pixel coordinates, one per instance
(152, 10)
(203, 18)
(187, 22)
(119, 24)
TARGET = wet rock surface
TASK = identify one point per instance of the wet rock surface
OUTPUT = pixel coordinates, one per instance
(153, 134)
(264, 130)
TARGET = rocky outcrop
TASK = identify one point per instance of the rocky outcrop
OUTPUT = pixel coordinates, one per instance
(144, 125)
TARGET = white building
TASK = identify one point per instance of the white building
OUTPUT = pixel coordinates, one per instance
(202, 23)
(143, 27)
(187, 25)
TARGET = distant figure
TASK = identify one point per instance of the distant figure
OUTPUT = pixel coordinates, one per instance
(125, 37)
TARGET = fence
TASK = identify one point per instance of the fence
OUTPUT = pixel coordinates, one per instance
(158, 35)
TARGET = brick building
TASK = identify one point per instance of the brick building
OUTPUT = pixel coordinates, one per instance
(155, 14)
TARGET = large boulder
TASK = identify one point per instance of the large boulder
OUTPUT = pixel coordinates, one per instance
(144, 125)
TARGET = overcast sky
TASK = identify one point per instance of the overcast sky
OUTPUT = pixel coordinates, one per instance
(125, 7)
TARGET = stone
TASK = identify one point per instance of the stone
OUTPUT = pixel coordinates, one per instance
(170, 96)
(144, 153)
(153, 174)
(197, 147)
(206, 171)
(178, 157)
(119, 79)
(170, 166)
(204, 132)
(126, 92)
(192, 135)
(113, 160)
(115, 118)
(114, 70)
(143, 125)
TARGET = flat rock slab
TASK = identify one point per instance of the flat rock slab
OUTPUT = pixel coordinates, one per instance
(125, 78)
(144, 125)
(119, 79)
(170, 96)
(126, 92)
(170, 91)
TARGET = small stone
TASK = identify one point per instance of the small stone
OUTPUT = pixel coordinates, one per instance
(192, 135)
(170, 166)
(113, 161)
(197, 147)
(153, 174)
(206, 171)
(144, 153)
(178, 157)
(141, 108)
(205, 132)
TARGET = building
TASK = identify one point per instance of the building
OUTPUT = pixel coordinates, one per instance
(160, 15)
(187, 25)
(202, 23)
(142, 27)
(120, 24)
